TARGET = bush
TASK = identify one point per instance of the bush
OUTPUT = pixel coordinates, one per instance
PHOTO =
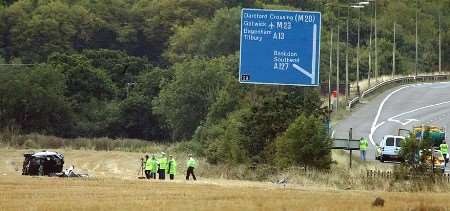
(193, 146)
(216, 152)
(224, 141)
(30, 144)
(37, 141)
(305, 143)
(409, 151)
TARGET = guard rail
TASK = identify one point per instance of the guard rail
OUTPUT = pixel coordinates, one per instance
(403, 80)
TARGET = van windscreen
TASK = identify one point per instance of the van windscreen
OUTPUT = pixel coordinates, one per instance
(398, 141)
(390, 141)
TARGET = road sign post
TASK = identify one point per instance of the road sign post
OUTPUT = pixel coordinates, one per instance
(347, 144)
(280, 47)
(350, 136)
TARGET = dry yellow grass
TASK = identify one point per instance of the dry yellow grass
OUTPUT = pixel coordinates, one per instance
(95, 163)
(114, 187)
(43, 193)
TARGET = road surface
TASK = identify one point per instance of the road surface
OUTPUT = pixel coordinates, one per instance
(400, 107)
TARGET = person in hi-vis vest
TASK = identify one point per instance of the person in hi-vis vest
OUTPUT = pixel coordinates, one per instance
(191, 165)
(363, 145)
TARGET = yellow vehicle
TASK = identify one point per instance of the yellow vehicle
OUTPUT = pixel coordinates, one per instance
(439, 160)
(437, 134)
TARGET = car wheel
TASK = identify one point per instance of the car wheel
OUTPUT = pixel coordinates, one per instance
(381, 159)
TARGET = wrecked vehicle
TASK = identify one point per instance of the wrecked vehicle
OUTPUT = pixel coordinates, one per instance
(70, 172)
(42, 163)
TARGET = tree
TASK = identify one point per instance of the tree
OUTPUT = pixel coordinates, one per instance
(227, 101)
(54, 27)
(135, 119)
(121, 68)
(13, 18)
(206, 38)
(33, 99)
(84, 82)
(7, 2)
(223, 140)
(305, 143)
(154, 22)
(184, 102)
(416, 152)
(150, 82)
(271, 113)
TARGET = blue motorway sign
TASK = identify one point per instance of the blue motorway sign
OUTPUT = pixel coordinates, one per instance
(280, 47)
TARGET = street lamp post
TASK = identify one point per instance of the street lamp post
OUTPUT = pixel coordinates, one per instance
(393, 54)
(331, 64)
(376, 46)
(370, 55)
(417, 41)
(346, 59)
(369, 74)
(331, 69)
(359, 6)
(357, 54)
(337, 65)
(439, 31)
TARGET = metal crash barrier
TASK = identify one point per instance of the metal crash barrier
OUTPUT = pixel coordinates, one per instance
(401, 80)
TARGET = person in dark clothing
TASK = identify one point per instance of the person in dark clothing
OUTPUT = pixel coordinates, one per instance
(153, 166)
(146, 165)
(172, 167)
(162, 166)
(191, 165)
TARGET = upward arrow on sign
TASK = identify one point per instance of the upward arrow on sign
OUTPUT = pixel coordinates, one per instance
(311, 75)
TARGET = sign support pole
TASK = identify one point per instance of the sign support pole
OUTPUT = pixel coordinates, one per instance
(350, 138)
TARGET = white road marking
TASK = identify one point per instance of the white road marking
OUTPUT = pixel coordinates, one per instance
(393, 119)
(407, 121)
(374, 123)
(443, 85)
(379, 125)
(375, 126)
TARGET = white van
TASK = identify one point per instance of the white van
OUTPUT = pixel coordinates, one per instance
(389, 148)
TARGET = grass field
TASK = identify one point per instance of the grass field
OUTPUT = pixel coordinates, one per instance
(43, 193)
(113, 186)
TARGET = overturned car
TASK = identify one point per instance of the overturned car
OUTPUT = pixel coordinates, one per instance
(42, 163)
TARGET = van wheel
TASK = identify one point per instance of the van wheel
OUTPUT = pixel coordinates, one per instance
(381, 159)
